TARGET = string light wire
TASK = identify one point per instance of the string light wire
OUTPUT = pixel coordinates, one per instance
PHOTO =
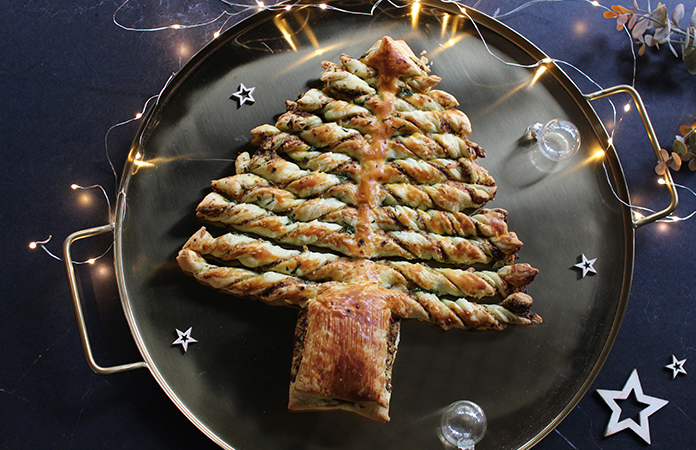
(681, 186)
(34, 244)
(125, 122)
(243, 9)
(636, 210)
(42, 244)
(174, 26)
(523, 6)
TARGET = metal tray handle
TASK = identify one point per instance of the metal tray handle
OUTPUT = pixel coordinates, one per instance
(79, 315)
(656, 148)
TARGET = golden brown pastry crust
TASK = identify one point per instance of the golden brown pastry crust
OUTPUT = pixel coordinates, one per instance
(345, 348)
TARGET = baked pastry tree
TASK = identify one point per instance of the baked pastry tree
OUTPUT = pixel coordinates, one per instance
(363, 205)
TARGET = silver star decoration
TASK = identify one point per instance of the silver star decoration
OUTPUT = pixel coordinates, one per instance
(244, 95)
(587, 265)
(184, 338)
(677, 366)
(654, 404)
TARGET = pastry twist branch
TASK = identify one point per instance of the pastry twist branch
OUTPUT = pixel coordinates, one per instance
(251, 218)
(281, 282)
(406, 169)
(250, 188)
(319, 267)
(449, 195)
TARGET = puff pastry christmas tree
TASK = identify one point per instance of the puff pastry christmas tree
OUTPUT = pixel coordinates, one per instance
(376, 175)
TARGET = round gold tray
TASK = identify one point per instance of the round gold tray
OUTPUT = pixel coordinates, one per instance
(233, 383)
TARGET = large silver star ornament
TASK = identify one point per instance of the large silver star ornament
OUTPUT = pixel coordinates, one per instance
(587, 265)
(677, 367)
(243, 95)
(653, 404)
(184, 338)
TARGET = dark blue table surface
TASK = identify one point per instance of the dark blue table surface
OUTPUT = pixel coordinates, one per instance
(68, 73)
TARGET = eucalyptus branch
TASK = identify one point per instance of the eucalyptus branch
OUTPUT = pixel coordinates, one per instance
(685, 145)
(654, 27)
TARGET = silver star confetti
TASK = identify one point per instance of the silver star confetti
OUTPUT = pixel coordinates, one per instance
(587, 265)
(184, 338)
(653, 404)
(243, 95)
(677, 366)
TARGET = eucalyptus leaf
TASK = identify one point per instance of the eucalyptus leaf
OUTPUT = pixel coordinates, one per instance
(690, 140)
(621, 21)
(676, 162)
(662, 34)
(640, 28)
(690, 59)
(661, 168)
(660, 15)
(693, 18)
(679, 147)
(632, 21)
(678, 14)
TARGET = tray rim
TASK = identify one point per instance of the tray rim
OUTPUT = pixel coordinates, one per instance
(480, 19)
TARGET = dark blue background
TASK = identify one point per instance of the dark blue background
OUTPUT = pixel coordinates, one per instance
(68, 73)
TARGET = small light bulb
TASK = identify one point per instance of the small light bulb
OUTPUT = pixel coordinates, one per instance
(323, 6)
(176, 26)
(599, 154)
(91, 260)
(610, 141)
(627, 108)
(74, 186)
(216, 34)
(594, 3)
(32, 245)
(661, 181)
(138, 116)
(637, 215)
(463, 425)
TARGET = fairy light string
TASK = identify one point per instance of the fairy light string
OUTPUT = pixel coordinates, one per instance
(244, 9)
(247, 9)
(42, 244)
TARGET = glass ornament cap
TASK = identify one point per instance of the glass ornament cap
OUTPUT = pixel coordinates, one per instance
(463, 424)
(558, 140)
